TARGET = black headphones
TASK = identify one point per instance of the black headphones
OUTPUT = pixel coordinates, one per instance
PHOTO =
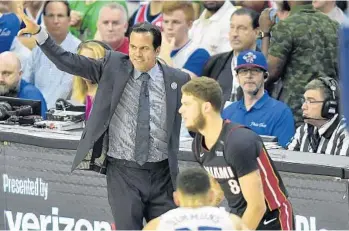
(330, 106)
(103, 44)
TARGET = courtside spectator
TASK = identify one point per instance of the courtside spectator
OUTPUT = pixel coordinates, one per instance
(177, 50)
(11, 84)
(112, 25)
(211, 29)
(244, 30)
(84, 15)
(257, 110)
(84, 90)
(40, 71)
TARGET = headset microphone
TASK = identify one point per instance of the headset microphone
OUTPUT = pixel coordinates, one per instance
(309, 118)
(255, 92)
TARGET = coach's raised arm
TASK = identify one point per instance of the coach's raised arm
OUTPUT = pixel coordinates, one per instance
(65, 61)
(132, 134)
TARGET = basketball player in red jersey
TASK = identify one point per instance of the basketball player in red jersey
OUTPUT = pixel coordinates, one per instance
(148, 12)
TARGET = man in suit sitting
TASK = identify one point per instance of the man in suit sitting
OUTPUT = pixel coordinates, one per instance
(132, 134)
(244, 30)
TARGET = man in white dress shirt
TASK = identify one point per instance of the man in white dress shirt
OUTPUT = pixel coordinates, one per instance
(211, 29)
(39, 70)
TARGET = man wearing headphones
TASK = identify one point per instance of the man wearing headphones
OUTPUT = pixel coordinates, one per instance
(324, 129)
(257, 110)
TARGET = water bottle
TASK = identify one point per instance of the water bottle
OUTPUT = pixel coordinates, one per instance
(272, 14)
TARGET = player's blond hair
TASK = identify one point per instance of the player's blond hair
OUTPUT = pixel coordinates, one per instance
(205, 89)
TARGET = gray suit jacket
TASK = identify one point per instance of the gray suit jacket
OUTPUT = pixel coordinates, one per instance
(111, 74)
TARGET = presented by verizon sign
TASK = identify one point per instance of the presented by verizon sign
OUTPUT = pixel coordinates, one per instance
(30, 221)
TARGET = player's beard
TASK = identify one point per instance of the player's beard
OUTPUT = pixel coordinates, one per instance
(199, 123)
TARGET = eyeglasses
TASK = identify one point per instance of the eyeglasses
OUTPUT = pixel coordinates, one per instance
(311, 101)
(253, 71)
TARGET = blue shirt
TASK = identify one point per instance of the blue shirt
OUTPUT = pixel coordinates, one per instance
(29, 91)
(9, 27)
(267, 117)
(196, 60)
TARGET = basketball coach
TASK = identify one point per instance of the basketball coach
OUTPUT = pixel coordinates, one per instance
(132, 135)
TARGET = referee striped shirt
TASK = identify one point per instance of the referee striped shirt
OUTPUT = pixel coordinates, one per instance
(334, 139)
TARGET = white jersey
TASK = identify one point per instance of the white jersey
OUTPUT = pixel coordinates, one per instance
(182, 56)
(196, 219)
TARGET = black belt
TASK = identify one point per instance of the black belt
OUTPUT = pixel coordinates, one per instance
(133, 164)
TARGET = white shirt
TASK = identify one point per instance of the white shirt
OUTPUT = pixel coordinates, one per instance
(213, 33)
(337, 14)
(40, 71)
(236, 84)
(22, 52)
(204, 218)
(183, 54)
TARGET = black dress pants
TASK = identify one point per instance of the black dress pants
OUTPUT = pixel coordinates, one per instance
(136, 192)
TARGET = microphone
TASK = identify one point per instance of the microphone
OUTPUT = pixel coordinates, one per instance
(309, 118)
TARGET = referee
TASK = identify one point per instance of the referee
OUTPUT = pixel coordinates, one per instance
(324, 130)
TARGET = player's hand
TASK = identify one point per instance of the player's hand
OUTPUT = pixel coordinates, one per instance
(31, 26)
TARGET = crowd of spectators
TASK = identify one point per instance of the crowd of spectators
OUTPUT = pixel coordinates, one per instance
(291, 91)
